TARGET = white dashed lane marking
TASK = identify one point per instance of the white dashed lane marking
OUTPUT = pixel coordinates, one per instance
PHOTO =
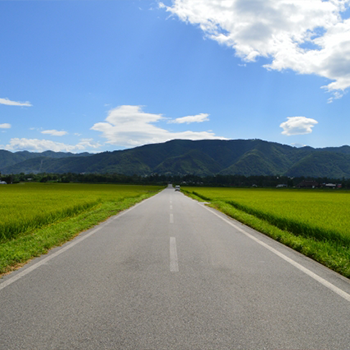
(174, 266)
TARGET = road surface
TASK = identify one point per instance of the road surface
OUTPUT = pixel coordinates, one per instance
(171, 273)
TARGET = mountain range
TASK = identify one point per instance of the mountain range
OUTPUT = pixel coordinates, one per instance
(181, 157)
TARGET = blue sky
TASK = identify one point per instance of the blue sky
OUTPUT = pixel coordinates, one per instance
(103, 75)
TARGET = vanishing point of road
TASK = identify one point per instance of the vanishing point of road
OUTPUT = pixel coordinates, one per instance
(171, 273)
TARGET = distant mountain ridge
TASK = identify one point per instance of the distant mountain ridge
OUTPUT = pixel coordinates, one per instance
(181, 157)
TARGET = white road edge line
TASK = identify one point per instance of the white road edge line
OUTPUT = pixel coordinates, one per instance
(174, 266)
(65, 248)
(316, 277)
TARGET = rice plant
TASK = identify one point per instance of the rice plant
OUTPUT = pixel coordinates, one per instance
(29, 206)
(321, 215)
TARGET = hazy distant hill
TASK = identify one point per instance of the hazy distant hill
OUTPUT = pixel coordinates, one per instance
(180, 157)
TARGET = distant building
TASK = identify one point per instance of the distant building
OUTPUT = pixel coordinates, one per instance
(308, 184)
(330, 185)
(281, 186)
(3, 183)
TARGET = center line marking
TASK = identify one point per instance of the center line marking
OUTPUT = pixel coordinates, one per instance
(174, 266)
(171, 207)
(171, 218)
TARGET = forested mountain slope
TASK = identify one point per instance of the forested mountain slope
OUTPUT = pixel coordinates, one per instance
(180, 157)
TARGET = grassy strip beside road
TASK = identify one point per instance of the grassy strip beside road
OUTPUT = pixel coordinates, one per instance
(104, 200)
(331, 250)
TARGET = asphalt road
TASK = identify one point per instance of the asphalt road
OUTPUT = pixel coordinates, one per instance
(171, 273)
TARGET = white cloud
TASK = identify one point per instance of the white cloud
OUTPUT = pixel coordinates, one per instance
(129, 126)
(35, 145)
(202, 117)
(54, 132)
(309, 37)
(5, 126)
(86, 144)
(6, 101)
(298, 145)
(298, 126)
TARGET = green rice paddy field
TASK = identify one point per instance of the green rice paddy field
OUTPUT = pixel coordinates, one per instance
(314, 222)
(35, 217)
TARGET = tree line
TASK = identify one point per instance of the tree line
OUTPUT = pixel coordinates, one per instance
(192, 180)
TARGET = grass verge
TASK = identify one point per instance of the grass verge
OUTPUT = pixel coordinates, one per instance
(332, 254)
(16, 252)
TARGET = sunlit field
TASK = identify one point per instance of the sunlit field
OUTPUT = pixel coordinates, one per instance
(319, 214)
(29, 206)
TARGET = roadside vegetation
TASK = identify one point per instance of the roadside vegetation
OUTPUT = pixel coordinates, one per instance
(36, 217)
(313, 222)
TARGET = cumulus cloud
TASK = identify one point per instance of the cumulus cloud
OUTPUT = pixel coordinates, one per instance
(54, 132)
(298, 126)
(5, 126)
(309, 37)
(35, 145)
(202, 117)
(298, 145)
(6, 101)
(131, 126)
